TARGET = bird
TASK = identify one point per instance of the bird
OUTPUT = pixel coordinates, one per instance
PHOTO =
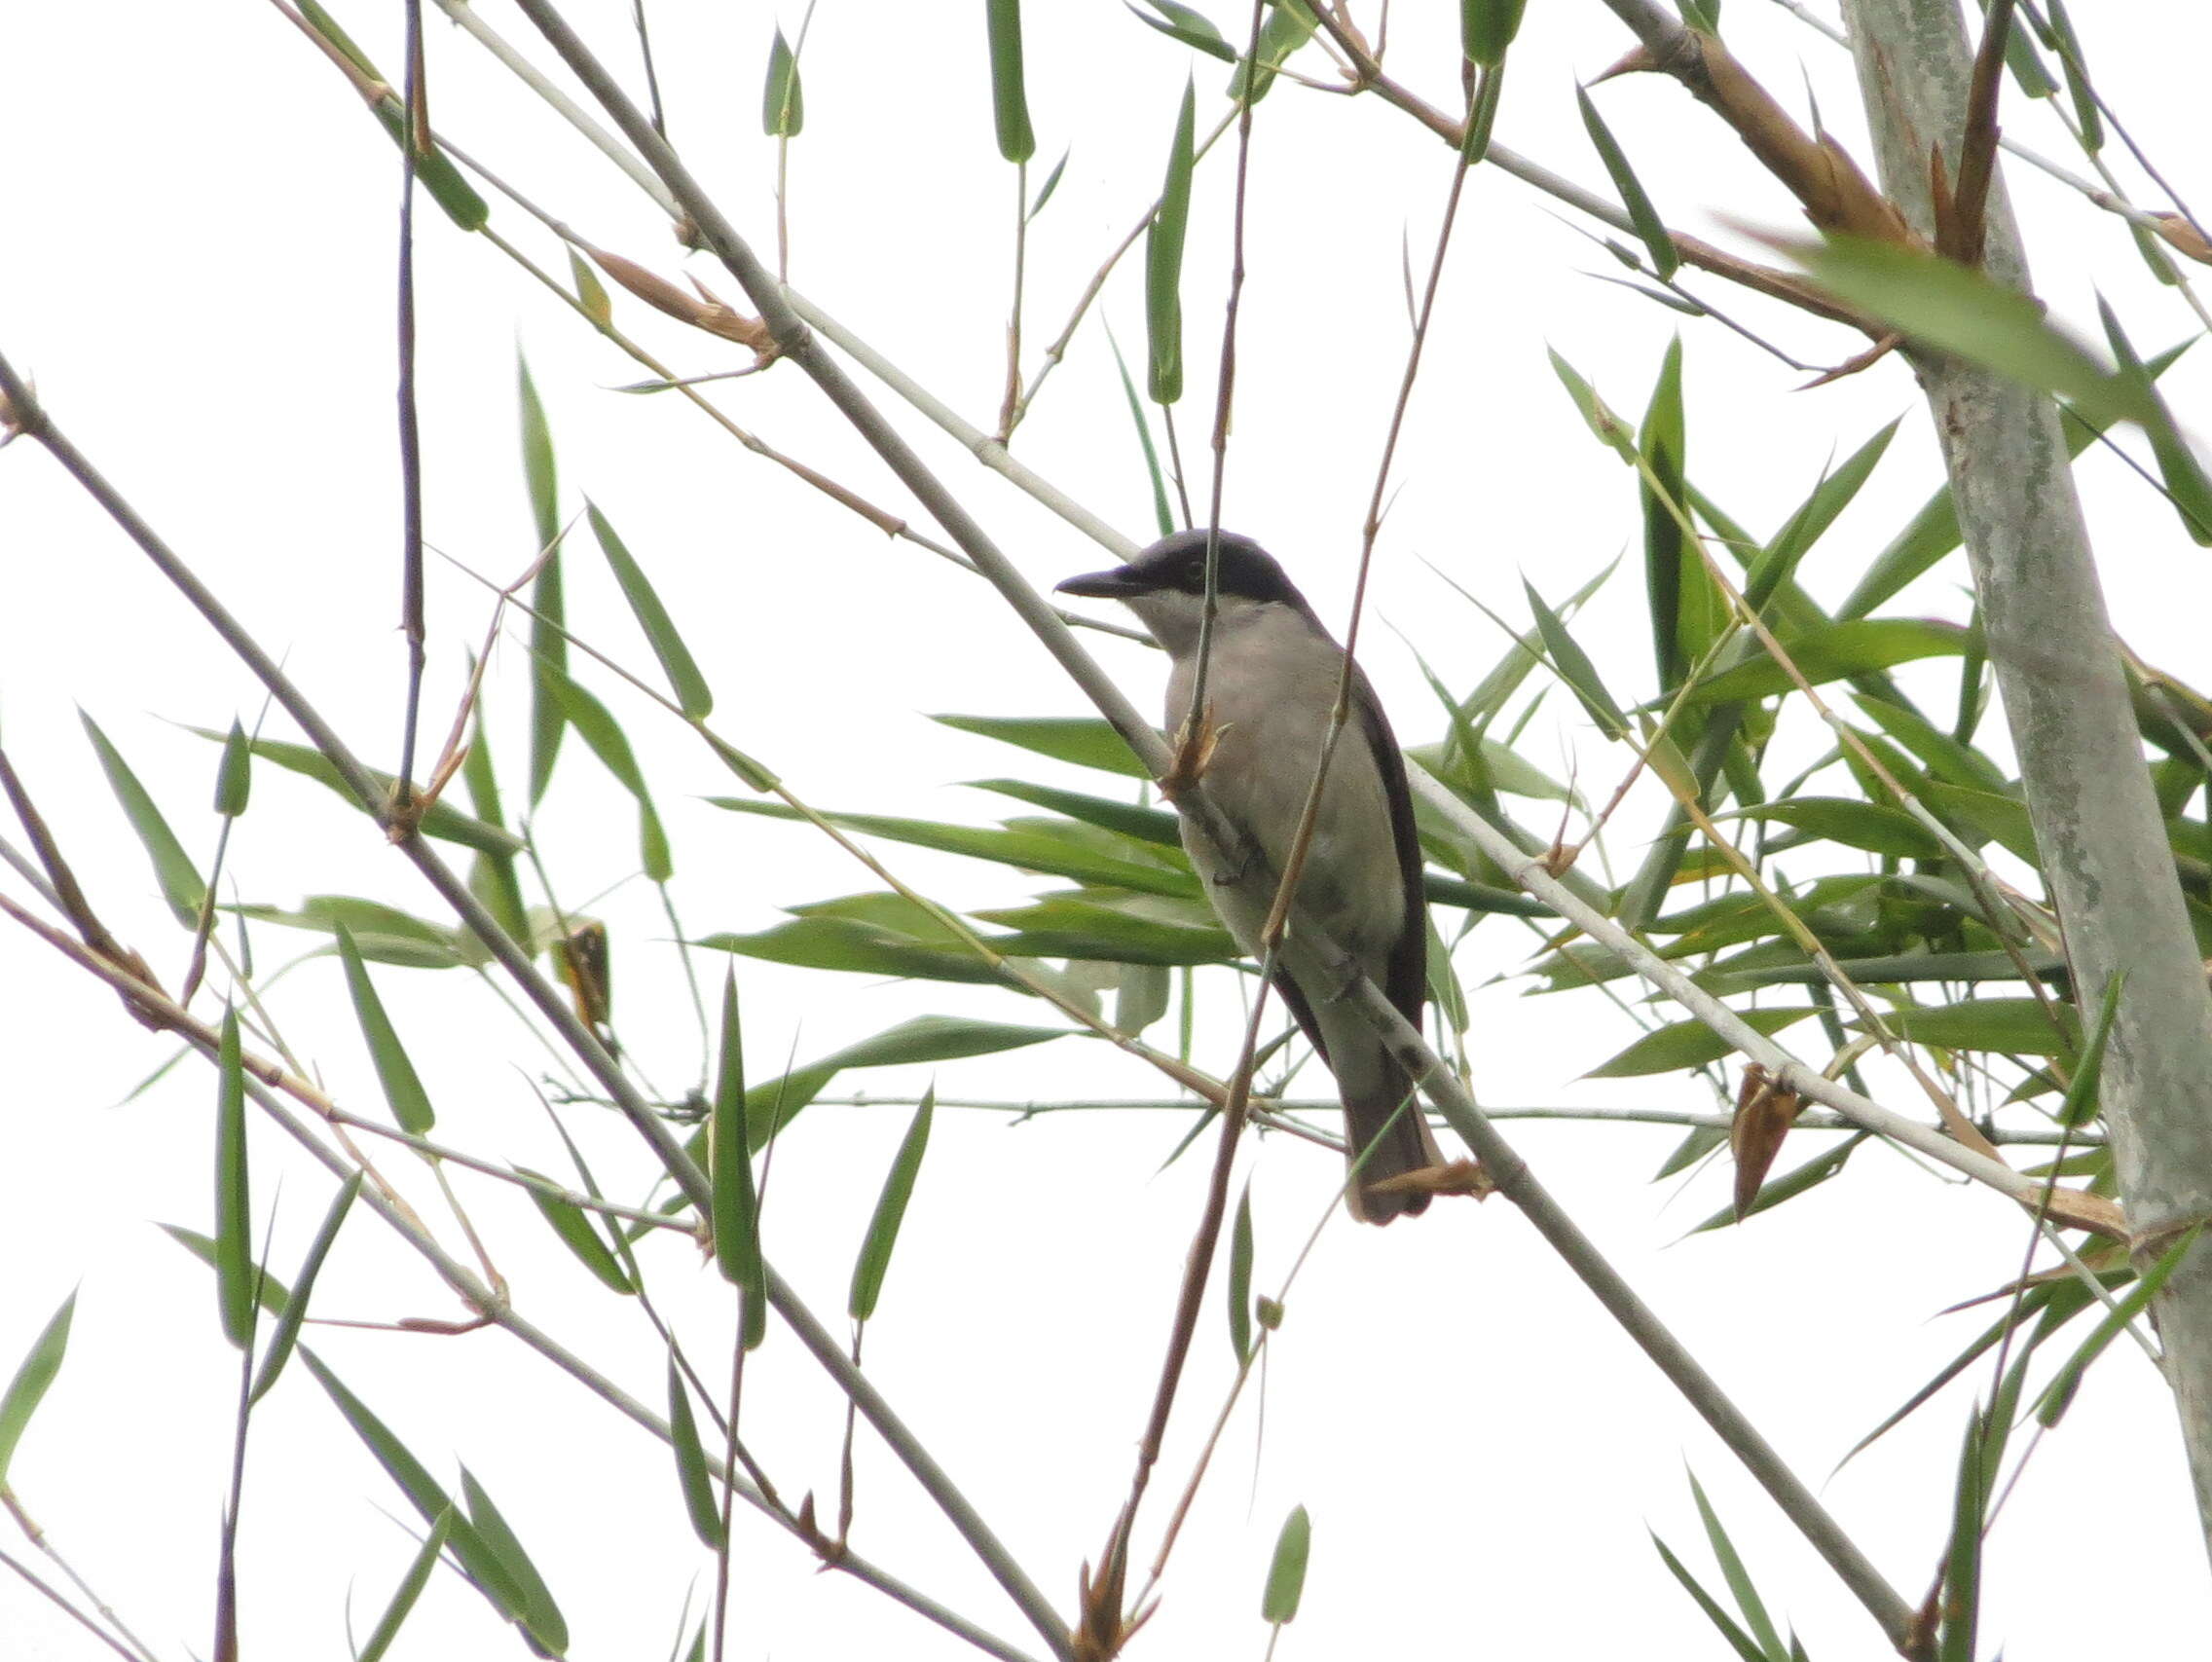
(1271, 688)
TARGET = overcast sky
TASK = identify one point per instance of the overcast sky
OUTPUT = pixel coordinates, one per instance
(200, 221)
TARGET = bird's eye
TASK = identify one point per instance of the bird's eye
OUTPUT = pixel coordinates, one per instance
(1197, 573)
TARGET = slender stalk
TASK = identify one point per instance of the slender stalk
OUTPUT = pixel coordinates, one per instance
(410, 622)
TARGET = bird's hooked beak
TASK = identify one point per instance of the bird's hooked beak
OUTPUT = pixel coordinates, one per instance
(1118, 584)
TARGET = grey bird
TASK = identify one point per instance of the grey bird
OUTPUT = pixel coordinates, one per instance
(1271, 689)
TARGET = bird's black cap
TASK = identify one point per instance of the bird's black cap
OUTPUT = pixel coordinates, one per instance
(1178, 564)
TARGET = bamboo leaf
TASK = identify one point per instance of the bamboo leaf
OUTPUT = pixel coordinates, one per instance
(234, 776)
(294, 1312)
(33, 1374)
(1164, 261)
(1239, 1287)
(2057, 1397)
(1970, 315)
(1777, 563)
(1087, 741)
(890, 1212)
(2014, 1026)
(1650, 227)
(692, 1472)
(2187, 487)
(1832, 652)
(1574, 667)
(549, 613)
(540, 1616)
(1286, 1572)
(1288, 26)
(1788, 1187)
(604, 735)
(1737, 1638)
(736, 1202)
(1063, 927)
(2080, 1104)
(1851, 822)
(443, 821)
(591, 293)
(1052, 183)
(182, 886)
(1738, 1578)
(395, 1072)
(233, 1216)
(693, 694)
(1690, 1044)
(1155, 826)
(1162, 515)
(579, 1236)
(842, 943)
(269, 1291)
(410, 1588)
(2075, 67)
(783, 102)
(1009, 106)
(1181, 22)
(1486, 27)
(1986, 815)
(1687, 611)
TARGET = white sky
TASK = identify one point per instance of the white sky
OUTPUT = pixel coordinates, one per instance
(199, 219)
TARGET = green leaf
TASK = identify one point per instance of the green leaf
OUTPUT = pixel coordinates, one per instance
(234, 778)
(2075, 67)
(1063, 927)
(1156, 826)
(1851, 822)
(1164, 262)
(295, 1311)
(396, 1071)
(1181, 22)
(233, 1216)
(1737, 1578)
(1087, 741)
(1025, 849)
(890, 1212)
(1686, 610)
(410, 1588)
(1830, 653)
(181, 883)
(1690, 1044)
(383, 935)
(437, 175)
(1962, 312)
(1009, 107)
(32, 1377)
(842, 943)
(1162, 515)
(693, 694)
(1650, 227)
(1609, 428)
(1486, 27)
(2187, 487)
(443, 821)
(1286, 1572)
(1052, 183)
(1574, 667)
(591, 293)
(1239, 1287)
(550, 610)
(2057, 1397)
(538, 1613)
(692, 1472)
(1288, 26)
(938, 1039)
(1777, 563)
(597, 725)
(2080, 1104)
(578, 1235)
(1737, 1638)
(1939, 752)
(783, 102)
(2014, 1026)
(1788, 1187)
(736, 1202)
(1986, 815)
(268, 1290)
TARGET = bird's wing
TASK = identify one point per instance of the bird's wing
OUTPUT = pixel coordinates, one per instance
(1407, 982)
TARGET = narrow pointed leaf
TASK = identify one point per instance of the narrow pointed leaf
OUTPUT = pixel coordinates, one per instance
(548, 640)
(538, 1614)
(1185, 23)
(1777, 563)
(1690, 1044)
(1087, 741)
(443, 821)
(182, 886)
(783, 103)
(1486, 27)
(33, 1375)
(579, 1236)
(2014, 1026)
(1241, 1279)
(1650, 227)
(591, 293)
(2080, 1104)
(1575, 668)
(1851, 822)
(402, 1087)
(233, 1216)
(410, 1589)
(1288, 26)
(693, 1473)
(1830, 653)
(234, 777)
(2187, 487)
(1738, 1640)
(1738, 1578)
(294, 1312)
(605, 737)
(692, 693)
(1052, 183)
(1163, 516)
(736, 1203)
(1286, 1572)
(890, 1212)
(2057, 1397)
(1164, 261)
(1010, 105)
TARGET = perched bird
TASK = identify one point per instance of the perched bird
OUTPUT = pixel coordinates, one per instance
(1271, 689)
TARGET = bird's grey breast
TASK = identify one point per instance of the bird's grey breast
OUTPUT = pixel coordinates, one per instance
(1271, 693)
